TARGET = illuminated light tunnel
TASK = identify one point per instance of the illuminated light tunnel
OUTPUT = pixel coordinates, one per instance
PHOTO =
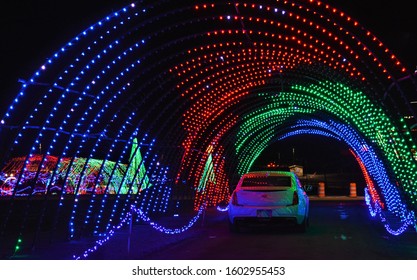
(152, 105)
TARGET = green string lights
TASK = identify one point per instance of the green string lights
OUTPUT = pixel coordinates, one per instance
(337, 101)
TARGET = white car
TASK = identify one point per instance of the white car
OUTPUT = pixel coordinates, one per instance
(269, 197)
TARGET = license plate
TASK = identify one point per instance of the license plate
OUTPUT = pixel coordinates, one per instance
(264, 213)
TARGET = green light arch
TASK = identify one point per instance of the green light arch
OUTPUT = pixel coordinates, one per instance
(390, 136)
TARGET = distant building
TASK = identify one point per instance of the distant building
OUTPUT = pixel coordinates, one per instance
(297, 169)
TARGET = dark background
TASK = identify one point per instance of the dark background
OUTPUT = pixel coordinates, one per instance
(32, 31)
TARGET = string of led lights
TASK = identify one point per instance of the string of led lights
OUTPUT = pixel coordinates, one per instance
(360, 113)
(212, 84)
(142, 216)
(374, 170)
(376, 211)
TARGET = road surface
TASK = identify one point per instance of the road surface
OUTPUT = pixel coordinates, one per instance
(340, 230)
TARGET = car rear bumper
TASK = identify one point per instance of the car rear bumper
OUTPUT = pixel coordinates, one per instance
(266, 215)
(255, 221)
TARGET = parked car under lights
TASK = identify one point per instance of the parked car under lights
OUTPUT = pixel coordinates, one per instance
(269, 197)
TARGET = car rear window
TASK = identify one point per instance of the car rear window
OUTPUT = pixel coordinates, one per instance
(266, 181)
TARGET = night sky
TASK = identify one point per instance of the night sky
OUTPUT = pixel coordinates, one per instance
(31, 31)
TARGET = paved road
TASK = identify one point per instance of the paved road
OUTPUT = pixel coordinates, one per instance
(341, 230)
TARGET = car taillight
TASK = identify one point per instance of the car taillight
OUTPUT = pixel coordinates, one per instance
(295, 198)
(234, 199)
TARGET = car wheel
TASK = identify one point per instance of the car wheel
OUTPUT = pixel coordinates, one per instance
(233, 227)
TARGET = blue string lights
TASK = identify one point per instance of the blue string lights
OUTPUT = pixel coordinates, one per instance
(375, 168)
(376, 211)
(141, 215)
